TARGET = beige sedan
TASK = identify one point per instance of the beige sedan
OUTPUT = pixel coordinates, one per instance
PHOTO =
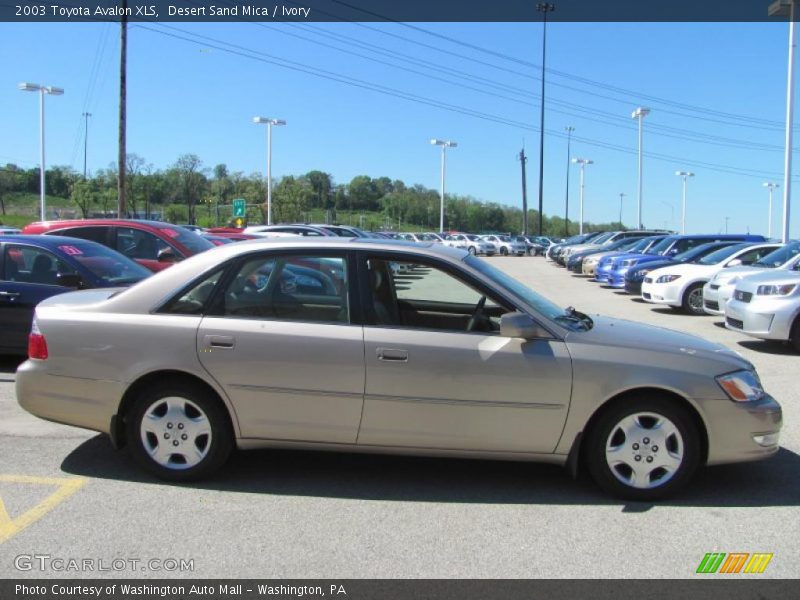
(330, 344)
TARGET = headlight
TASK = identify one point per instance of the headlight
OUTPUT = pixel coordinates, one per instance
(775, 290)
(667, 278)
(741, 386)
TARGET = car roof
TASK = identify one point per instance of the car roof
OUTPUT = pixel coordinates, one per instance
(141, 223)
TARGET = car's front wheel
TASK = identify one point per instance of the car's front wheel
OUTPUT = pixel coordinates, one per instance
(473, 250)
(179, 432)
(643, 449)
(504, 251)
(693, 299)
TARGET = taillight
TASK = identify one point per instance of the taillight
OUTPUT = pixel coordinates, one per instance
(37, 345)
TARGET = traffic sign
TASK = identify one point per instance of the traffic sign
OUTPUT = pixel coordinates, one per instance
(239, 207)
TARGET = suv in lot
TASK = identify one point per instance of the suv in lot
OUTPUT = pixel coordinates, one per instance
(153, 244)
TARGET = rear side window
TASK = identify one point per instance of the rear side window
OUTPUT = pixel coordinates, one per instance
(194, 300)
(93, 234)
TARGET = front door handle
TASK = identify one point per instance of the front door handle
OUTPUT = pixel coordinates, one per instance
(392, 354)
(9, 295)
(220, 341)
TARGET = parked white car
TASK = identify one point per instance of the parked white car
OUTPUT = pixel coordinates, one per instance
(681, 285)
(720, 288)
(767, 306)
(471, 243)
(506, 244)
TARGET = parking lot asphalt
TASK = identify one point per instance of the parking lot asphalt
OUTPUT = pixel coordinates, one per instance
(65, 493)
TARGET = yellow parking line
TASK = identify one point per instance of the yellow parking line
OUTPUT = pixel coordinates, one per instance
(66, 488)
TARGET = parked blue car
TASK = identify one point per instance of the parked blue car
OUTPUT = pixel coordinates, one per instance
(607, 264)
(670, 246)
(35, 267)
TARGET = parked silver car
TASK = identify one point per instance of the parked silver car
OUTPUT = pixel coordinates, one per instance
(323, 344)
(506, 245)
(767, 306)
(471, 243)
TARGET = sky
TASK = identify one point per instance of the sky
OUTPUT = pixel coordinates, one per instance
(366, 98)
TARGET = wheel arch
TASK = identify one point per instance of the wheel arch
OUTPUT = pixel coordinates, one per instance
(117, 427)
(577, 458)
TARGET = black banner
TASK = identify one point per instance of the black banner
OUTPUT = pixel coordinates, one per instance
(393, 10)
(387, 589)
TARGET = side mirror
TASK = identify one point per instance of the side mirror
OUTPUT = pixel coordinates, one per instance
(734, 263)
(70, 280)
(520, 325)
(167, 256)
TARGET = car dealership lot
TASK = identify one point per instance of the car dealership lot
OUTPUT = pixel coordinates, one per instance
(294, 514)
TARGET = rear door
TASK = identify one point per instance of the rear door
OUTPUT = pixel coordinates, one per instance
(284, 344)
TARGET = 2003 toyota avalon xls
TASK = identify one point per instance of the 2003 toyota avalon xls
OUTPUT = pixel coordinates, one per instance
(318, 344)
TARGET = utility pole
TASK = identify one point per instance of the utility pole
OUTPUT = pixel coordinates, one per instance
(523, 159)
(86, 116)
(544, 8)
(621, 196)
(123, 94)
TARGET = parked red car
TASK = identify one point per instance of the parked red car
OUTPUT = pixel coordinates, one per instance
(152, 244)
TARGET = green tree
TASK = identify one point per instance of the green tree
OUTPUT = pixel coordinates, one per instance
(191, 182)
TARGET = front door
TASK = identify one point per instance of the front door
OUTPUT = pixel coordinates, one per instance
(440, 375)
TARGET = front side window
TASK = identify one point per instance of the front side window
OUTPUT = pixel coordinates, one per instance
(290, 287)
(142, 245)
(409, 294)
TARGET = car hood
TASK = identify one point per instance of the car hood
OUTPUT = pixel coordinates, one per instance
(685, 270)
(651, 265)
(636, 337)
(772, 277)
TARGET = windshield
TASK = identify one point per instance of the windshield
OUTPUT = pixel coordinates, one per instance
(600, 238)
(662, 246)
(694, 254)
(195, 243)
(719, 255)
(540, 303)
(642, 244)
(112, 268)
(777, 257)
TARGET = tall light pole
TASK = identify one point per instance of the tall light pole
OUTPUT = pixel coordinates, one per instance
(771, 186)
(445, 144)
(582, 162)
(621, 196)
(53, 91)
(544, 8)
(684, 174)
(269, 123)
(786, 8)
(86, 116)
(640, 113)
(569, 131)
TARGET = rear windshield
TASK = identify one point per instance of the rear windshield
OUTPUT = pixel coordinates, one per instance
(195, 243)
(111, 267)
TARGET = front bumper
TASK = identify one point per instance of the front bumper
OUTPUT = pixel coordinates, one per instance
(714, 298)
(662, 293)
(735, 427)
(767, 318)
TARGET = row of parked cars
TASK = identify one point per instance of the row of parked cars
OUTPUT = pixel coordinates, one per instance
(752, 282)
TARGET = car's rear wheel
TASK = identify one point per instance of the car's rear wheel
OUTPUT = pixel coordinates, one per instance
(693, 299)
(179, 432)
(643, 449)
(504, 251)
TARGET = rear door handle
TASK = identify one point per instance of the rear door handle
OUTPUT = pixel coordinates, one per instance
(220, 341)
(9, 295)
(392, 354)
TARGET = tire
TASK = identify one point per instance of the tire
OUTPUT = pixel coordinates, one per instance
(503, 251)
(692, 302)
(472, 250)
(611, 454)
(158, 416)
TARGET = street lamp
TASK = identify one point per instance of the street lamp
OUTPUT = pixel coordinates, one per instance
(684, 174)
(786, 8)
(621, 196)
(269, 123)
(640, 113)
(582, 162)
(569, 131)
(771, 187)
(445, 144)
(53, 91)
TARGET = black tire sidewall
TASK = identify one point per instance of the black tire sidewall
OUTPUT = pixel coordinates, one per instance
(594, 451)
(221, 433)
(685, 303)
